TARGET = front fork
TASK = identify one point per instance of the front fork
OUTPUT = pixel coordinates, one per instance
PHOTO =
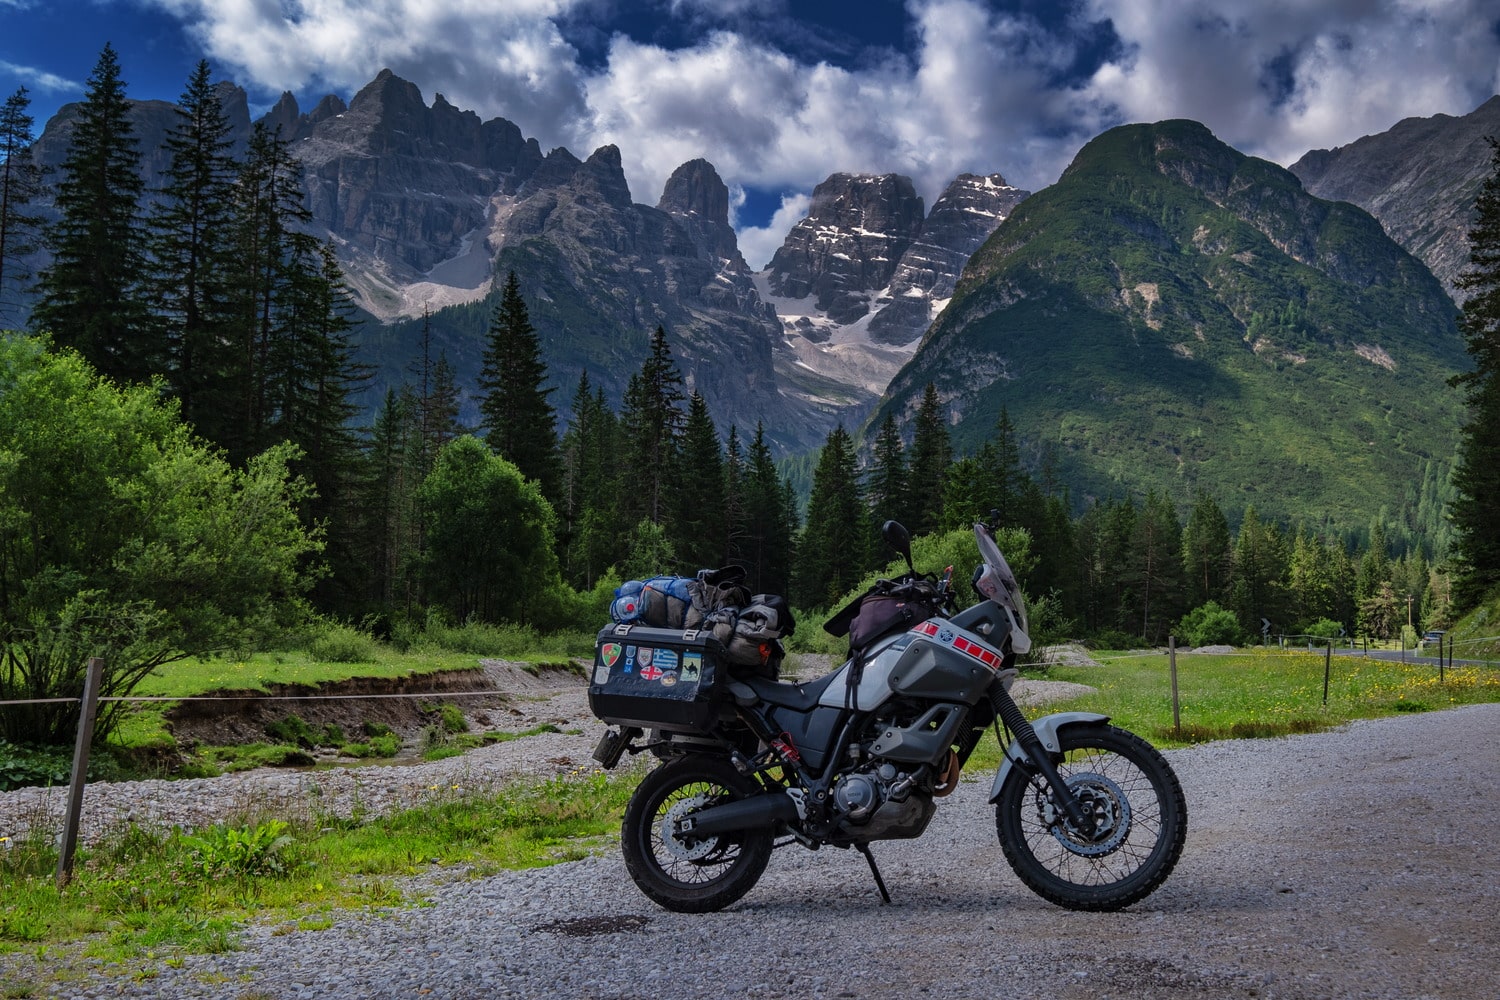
(1039, 756)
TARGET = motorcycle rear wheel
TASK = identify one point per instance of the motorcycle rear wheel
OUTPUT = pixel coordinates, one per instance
(691, 876)
(1140, 822)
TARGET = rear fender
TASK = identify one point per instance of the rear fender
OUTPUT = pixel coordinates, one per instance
(1047, 729)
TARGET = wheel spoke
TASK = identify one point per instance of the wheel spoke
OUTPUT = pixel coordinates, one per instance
(1138, 832)
(679, 872)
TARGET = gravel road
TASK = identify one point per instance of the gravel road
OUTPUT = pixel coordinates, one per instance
(1353, 863)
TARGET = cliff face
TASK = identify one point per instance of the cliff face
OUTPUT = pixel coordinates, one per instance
(858, 282)
(1419, 179)
(404, 188)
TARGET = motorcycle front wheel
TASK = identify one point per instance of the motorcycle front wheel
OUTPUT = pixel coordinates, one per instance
(683, 874)
(1139, 814)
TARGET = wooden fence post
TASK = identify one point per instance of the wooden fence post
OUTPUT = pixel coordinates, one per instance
(1327, 668)
(1176, 713)
(91, 682)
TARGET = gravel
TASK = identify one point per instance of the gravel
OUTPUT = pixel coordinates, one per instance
(1342, 864)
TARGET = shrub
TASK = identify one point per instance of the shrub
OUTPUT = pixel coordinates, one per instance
(1210, 625)
(1323, 628)
(335, 642)
(26, 766)
(387, 745)
(294, 729)
(127, 539)
(452, 718)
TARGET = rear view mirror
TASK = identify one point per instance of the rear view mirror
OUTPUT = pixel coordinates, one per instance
(898, 538)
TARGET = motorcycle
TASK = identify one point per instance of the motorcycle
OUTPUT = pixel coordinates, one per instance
(1089, 816)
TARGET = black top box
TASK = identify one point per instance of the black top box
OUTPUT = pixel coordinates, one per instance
(657, 678)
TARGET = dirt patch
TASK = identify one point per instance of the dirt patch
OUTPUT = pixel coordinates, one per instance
(496, 694)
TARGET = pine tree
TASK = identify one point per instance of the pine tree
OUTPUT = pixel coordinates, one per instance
(1258, 591)
(590, 535)
(20, 187)
(652, 424)
(1053, 543)
(321, 387)
(1009, 479)
(435, 402)
(886, 486)
(931, 454)
(193, 261)
(1312, 583)
(735, 513)
(1206, 552)
(519, 422)
(269, 248)
(770, 522)
(699, 525)
(1158, 546)
(92, 294)
(831, 553)
(1475, 509)
(1107, 577)
(969, 490)
(1374, 565)
(392, 530)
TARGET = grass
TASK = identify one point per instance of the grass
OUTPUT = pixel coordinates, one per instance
(1249, 695)
(144, 898)
(261, 672)
(1264, 693)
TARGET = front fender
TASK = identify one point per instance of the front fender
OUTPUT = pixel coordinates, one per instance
(1047, 728)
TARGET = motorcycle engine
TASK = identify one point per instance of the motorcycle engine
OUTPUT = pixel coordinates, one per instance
(880, 802)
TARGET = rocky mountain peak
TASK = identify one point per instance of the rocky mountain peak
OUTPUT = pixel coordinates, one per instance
(962, 218)
(695, 188)
(283, 117)
(557, 168)
(603, 174)
(855, 232)
(697, 197)
(860, 279)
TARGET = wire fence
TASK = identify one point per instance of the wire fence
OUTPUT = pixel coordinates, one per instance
(492, 693)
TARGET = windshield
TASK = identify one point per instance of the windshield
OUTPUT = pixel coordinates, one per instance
(999, 584)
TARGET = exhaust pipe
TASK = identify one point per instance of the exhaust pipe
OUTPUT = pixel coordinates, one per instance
(743, 814)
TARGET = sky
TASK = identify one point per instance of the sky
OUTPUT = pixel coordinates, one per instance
(778, 94)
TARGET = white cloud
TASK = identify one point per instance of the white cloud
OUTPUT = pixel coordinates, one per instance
(40, 79)
(1279, 77)
(498, 57)
(759, 243)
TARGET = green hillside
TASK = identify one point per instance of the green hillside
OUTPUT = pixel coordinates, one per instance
(1174, 314)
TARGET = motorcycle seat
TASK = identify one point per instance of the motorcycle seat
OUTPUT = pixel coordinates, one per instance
(797, 697)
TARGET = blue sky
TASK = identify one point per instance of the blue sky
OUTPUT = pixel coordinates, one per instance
(778, 94)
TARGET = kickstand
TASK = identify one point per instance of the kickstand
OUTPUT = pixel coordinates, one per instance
(879, 882)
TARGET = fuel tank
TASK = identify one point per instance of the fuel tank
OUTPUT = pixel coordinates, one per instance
(936, 659)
